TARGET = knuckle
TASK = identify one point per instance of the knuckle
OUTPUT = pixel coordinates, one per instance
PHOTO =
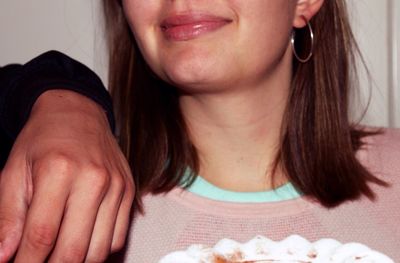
(6, 221)
(74, 254)
(97, 170)
(98, 177)
(130, 192)
(117, 244)
(97, 257)
(95, 260)
(130, 187)
(54, 160)
(41, 237)
(119, 185)
(58, 158)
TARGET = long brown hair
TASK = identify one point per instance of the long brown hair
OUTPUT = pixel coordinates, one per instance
(318, 143)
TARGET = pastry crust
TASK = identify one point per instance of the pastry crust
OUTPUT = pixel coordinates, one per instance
(293, 249)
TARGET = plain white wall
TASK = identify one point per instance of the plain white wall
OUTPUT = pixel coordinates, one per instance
(370, 23)
(30, 27)
(395, 56)
(376, 25)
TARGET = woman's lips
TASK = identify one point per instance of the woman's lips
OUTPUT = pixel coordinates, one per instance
(187, 27)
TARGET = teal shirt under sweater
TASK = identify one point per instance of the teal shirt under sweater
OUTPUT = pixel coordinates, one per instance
(204, 188)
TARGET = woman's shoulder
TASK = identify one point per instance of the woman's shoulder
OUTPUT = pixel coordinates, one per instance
(381, 152)
(383, 140)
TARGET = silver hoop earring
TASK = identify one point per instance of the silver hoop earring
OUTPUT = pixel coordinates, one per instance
(303, 60)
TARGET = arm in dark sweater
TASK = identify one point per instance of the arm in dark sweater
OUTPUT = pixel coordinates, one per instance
(21, 85)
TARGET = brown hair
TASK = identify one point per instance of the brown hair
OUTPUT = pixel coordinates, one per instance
(318, 142)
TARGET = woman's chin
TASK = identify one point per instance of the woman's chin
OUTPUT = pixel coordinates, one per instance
(193, 78)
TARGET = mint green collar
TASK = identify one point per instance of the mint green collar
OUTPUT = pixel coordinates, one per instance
(205, 189)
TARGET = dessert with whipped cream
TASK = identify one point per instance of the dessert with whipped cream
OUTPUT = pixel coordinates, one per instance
(294, 249)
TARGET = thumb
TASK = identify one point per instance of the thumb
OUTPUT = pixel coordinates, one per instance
(13, 207)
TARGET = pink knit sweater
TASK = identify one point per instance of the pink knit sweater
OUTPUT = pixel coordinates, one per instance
(179, 219)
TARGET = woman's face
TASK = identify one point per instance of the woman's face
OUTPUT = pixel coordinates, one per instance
(202, 44)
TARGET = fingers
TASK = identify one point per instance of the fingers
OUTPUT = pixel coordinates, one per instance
(80, 217)
(100, 243)
(124, 213)
(114, 216)
(11, 227)
(66, 213)
(44, 216)
(123, 218)
(13, 198)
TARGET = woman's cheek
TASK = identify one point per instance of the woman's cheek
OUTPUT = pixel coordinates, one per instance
(143, 17)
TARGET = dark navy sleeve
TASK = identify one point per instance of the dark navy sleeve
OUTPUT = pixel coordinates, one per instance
(21, 85)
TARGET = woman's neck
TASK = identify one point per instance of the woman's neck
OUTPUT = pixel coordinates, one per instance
(237, 134)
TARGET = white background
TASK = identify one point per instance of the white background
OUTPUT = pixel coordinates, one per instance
(30, 27)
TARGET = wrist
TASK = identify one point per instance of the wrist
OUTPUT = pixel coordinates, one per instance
(68, 103)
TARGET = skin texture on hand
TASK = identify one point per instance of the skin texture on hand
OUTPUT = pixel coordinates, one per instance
(66, 190)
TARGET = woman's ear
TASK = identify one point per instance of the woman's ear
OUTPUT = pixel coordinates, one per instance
(306, 9)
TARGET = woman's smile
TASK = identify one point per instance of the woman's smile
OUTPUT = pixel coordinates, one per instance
(187, 26)
(213, 46)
